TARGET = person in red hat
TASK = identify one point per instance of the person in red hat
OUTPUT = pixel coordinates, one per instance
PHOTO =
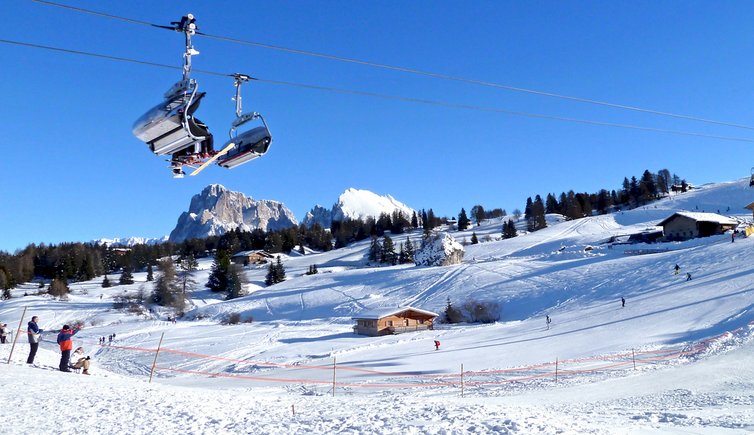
(66, 344)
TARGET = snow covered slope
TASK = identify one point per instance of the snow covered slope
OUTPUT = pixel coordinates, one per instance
(692, 339)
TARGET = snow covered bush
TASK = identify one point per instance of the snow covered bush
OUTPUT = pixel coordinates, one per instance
(439, 249)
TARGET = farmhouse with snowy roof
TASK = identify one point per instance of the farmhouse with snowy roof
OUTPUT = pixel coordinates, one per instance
(251, 257)
(385, 321)
(688, 225)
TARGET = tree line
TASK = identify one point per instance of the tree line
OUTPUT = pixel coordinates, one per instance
(633, 193)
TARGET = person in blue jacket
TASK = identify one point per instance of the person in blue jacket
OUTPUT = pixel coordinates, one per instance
(33, 333)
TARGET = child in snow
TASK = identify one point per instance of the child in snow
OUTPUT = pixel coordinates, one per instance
(3, 332)
(82, 362)
(437, 344)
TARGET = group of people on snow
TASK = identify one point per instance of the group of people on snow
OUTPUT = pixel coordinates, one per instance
(64, 341)
(108, 340)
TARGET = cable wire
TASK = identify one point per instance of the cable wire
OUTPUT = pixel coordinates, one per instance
(412, 70)
(388, 96)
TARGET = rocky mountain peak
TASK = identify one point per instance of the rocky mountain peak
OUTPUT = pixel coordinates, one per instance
(217, 210)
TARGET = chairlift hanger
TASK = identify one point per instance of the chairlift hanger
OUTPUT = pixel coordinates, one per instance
(171, 128)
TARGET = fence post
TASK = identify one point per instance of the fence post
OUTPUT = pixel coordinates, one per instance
(556, 370)
(633, 356)
(461, 379)
(293, 409)
(18, 332)
(154, 363)
(333, 376)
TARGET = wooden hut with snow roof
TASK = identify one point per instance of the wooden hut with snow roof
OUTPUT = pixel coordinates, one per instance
(688, 225)
(246, 258)
(386, 321)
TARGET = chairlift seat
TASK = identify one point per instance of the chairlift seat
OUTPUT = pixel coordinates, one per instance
(249, 145)
(165, 129)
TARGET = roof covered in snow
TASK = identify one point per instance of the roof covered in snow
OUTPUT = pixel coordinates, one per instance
(385, 312)
(702, 217)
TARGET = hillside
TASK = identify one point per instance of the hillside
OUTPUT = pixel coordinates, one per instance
(700, 379)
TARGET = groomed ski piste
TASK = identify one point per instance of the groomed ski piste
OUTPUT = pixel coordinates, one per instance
(678, 358)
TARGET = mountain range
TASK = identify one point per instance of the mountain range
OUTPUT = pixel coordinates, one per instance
(216, 210)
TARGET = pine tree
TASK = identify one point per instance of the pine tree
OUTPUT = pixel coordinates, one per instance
(235, 282)
(509, 229)
(270, 278)
(218, 277)
(387, 254)
(647, 187)
(167, 289)
(275, 273)
(409, 247)
(414, 220)
(474, 239)
(374, 249)
(150, 273)
(551, 204)
(463, 220)
(538, 213)
(126, 277)
(106, 282)
(280, 270)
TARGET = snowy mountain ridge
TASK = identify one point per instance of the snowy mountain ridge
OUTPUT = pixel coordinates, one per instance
(130, 241)
(356, 204)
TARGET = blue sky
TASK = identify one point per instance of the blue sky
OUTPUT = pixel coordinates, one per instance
(72, 171)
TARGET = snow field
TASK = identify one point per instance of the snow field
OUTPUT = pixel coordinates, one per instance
(692, 341)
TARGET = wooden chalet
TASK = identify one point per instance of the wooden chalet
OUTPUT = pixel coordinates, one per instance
(246, 258)
(393, 321)
(689, 225)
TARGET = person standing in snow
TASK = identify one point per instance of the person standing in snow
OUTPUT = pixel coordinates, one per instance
(677, 269)
(33, 333)
(623, 302)
(3, 332)
(548, 320)
(437, 344)
(66, 345)
(688, 276)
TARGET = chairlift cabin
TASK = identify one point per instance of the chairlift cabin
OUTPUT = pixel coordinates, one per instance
(170, 127)
(249, 144)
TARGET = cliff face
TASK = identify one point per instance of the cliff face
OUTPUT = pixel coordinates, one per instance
(217, 210)
(318, 215)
